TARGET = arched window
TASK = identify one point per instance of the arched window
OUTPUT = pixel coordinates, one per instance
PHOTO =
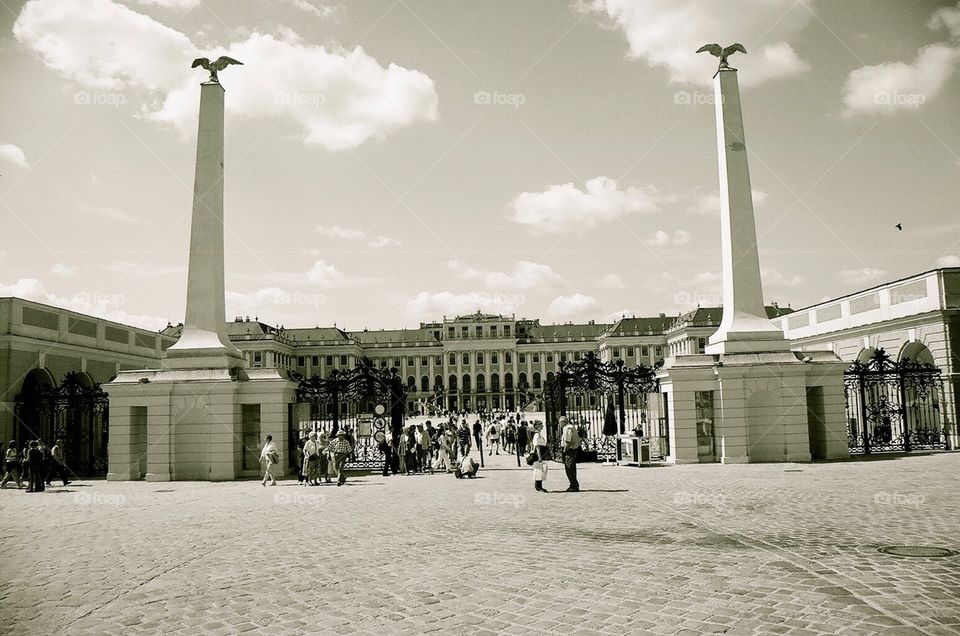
(508, 381)
(452, 383)
(425, 383)
(411, 383)
(466, 382)
(494, 381)
(536, 379)
(438, 383)
(481, 383)
(522, 380)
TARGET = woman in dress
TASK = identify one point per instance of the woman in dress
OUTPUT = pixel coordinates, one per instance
(269, 458)
(311, 460)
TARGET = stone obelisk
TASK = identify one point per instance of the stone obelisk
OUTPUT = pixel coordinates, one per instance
(204, 343)
(744, 327)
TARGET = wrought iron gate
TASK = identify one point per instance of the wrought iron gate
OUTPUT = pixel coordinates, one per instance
(893, 406)
(348, 399)
(75, 412)
(604, 399)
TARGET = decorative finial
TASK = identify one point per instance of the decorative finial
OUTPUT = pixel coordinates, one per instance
(723, 53)
(222, 62)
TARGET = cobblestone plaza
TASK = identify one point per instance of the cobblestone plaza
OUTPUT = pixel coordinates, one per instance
(738, 549)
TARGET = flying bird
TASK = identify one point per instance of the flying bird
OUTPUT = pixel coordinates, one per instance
(899, 226)
(723, 53)
(222, 62)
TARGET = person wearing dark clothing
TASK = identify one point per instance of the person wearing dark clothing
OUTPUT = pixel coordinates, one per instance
(57, 463)
(522, 438)
(571, 448)
(463, 437)
(35, 457)
(478, 433)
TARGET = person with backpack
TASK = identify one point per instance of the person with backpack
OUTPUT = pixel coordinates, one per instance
(493, 438)
(570, 440)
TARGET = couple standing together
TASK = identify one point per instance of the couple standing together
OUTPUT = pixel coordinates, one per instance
(570, 441)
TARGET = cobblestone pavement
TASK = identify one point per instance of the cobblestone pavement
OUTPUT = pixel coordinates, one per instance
(749, 549)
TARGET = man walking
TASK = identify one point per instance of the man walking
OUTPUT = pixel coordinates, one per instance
(463, 436)
(571, 446)
(341, 449)
(57, 463)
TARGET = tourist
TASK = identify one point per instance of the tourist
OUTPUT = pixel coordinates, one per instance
(493, 438)
(25, 466)
(522, 438)
(323, 445)
(301, 465)
(386, 447)
(541, 452)
(467, 468)
(570, 439)
(412, 450)
(57, 463)
(341, 450)
(452, 441)
(510, 436)
(35, 458)
(11, 466)
(463, 437)
(443, 460)
(269, 457)
(426, 449)
(311, 460)
(478, 434)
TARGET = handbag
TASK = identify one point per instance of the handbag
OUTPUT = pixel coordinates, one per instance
(531, 458)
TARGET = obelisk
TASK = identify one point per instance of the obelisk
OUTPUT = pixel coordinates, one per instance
(744, 327)
(204, 343)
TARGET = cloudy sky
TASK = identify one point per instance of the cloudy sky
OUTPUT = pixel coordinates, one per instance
(389, 162)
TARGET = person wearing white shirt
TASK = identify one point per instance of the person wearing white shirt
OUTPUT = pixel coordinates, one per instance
(539, 447)
(269, 457)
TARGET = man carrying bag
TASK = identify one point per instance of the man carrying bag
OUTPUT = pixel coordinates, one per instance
(571, 447)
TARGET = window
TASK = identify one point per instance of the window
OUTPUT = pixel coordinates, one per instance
(522, 358)
(629, 352)
(576, 356)
(424, 384)
(549, 357)
(450, 333)
(410, 361)
(396, 362)
(465, 332)
(645, 351)
(258, 358)
(439, 360)
(466, 358)
(479, 357)
(453, 359)
(616, 352)
(329, 361)
(479, 331)
(343, 361)
(493, 331)
(300, 361)
(563, 357)
(536, 380)
(659, 351)
(250, 425)
(506, 331)
(494, 358)
(508, 357)
(315, 361)
(424, 361)
(383, 363)
(536, 358)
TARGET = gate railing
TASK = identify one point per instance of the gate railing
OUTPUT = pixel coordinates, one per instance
(604, 399)
(893, 406)
(348, 399)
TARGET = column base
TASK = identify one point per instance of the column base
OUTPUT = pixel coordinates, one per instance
(157, 477)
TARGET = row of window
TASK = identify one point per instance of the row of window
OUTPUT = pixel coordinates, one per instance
(467, 381)
(478, 332)
(644, 351)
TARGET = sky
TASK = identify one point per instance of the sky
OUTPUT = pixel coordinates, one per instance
(389, 162)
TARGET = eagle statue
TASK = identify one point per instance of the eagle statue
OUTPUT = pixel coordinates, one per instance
(723, 53)
(222, 62)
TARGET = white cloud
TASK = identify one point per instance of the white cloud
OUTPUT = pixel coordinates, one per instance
(666, 33)
(894, 86)
(613, 281)
(565, 206)
(661, 238)
(384, 241)
(564, 306)
(948, 261)
(947, 17)
(92, 303)
(428, 306)
(863, 276)
(61, 269)
(525, 275)
(614, 316)
(171, 4)
(14, 154)
(349, 233)
(773, 278)
(334, 97)
(323, 274)
(317, 10)
(710, 203)
(238, 303)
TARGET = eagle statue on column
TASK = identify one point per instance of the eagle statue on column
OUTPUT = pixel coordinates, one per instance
(222, 62)
(722, 52)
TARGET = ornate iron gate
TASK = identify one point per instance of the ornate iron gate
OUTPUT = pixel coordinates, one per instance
(893, 406)
(348, 399)
(75, 412)
(604, 399)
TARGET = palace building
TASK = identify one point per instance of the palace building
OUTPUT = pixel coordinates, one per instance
(472, 362)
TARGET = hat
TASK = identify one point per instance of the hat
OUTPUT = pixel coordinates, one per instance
(341, 432)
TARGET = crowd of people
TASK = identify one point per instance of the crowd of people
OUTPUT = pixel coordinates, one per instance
(36, 464)
(422, 448)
